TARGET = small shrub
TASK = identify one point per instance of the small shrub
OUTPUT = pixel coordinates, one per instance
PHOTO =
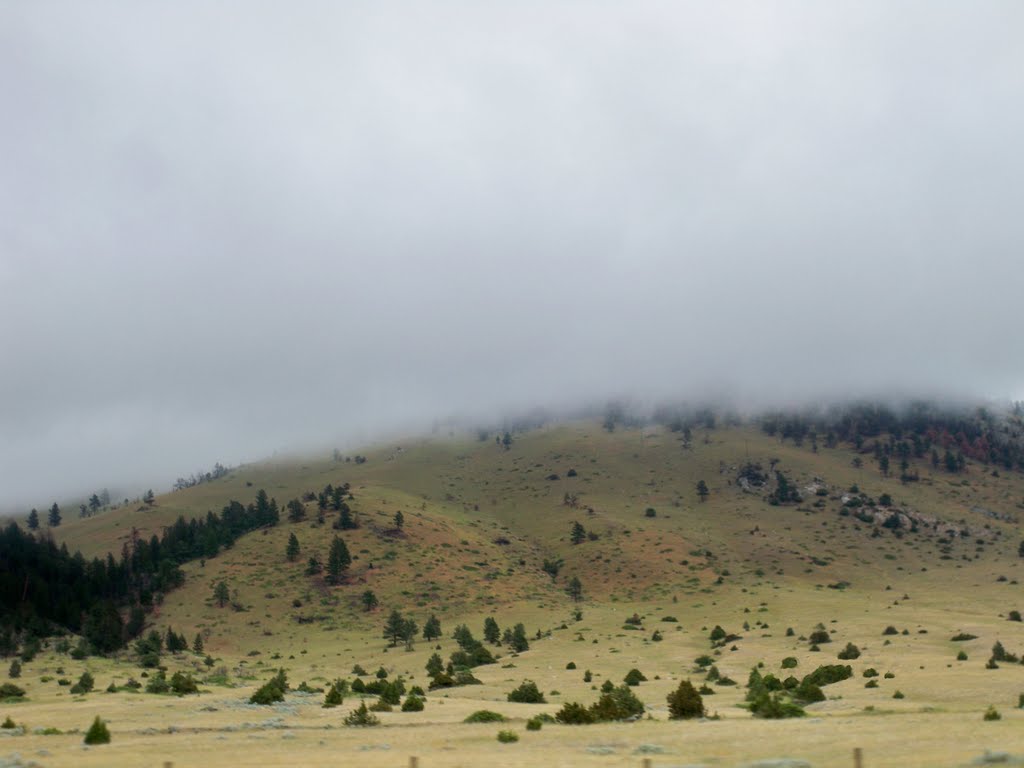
(890, 630)
(84, 685)
(775, 706)
(789, 662)
(634, 677)
(830, 673)
(849, 653)
(15, 670)
(574, 713)
(534, 724)
(961, 656)
(963, 637)
(8, 724)
(871, 683)
(485, 716)
(527, 693)
(587, 676)
(870, 672)
(508, 737)
(1014, 616)
(412, 704)
(571, 665)
(98, 733)
(361, 717)
(381, 705)
(991, 714)
(898, 695)
(271, 691)
(819, 637)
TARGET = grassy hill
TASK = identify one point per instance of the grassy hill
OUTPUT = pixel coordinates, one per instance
(940, 558)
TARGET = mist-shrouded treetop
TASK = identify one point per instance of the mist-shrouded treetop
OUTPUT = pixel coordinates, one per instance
(332, 222)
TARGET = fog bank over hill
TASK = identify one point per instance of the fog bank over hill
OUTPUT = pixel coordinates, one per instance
(228, 234)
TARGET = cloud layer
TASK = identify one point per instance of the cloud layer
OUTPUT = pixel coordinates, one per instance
(228, 231)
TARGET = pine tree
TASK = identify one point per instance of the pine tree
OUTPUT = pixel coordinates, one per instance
(578, 533)
(399, 520)
(221, 594)
(492, 633)
(296, 511)
(292, 550)
(575, 589)
(338, 561)
(685, 702)
(369, 600)
(435, 665)
(197, 644)
(409, 630)
(432, 629)
(98, 733)
(33, 520)
(394, 627)
(519, 642)
(702, 490)
(54, 518)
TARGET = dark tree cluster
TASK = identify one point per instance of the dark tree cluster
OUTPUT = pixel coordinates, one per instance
(43, 587)
(218, 471)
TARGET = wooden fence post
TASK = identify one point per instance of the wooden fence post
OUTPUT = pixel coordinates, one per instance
(858, 758)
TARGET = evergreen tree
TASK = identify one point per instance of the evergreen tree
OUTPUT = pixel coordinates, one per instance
(685, 702)
(702, 490)
(575, 589)
(435, 665)
(98, 733)
(292, 550)
(197, 644)
(578, 533)
(394, 627)
(519, 641)
(221, 594)
(296, 511)
(313, 567)
(409, 630)
(54, 518)
(346, 521)
(464, 637)
(399, 520)
(492, 633)
(33, 520)
(338, 561)
(432, 629)
(369, 600)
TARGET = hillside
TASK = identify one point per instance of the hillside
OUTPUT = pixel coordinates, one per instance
(480, 521)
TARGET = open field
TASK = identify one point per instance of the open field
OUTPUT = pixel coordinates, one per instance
(479, 523)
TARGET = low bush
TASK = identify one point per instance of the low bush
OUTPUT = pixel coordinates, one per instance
(849, 653)
(526, 693)
(485, 716)
(361, 717)
(508, 737)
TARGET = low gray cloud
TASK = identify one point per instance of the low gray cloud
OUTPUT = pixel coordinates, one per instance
(232, 230)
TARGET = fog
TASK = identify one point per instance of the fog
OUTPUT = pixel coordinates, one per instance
(234, 229)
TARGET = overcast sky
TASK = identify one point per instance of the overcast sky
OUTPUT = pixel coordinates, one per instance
(234, 228)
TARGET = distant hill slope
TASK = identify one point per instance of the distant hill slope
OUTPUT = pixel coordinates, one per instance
(481, 520)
